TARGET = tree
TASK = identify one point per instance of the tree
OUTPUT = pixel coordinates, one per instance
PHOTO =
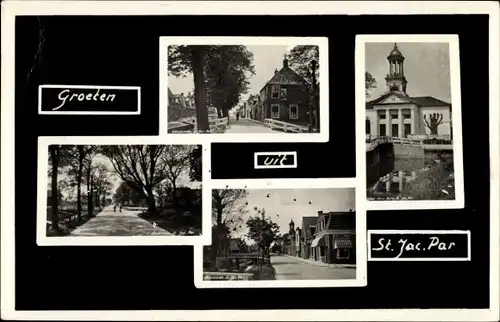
(228, 206)
(434, 121)
(76, 157)
(262, 230)
(227, 69)
(370, 83)
(190, 59)
(88, 177)
(176, 160)
(195, 164)
(102, 184)
(54, 154)
(300, 58)
(140, 166)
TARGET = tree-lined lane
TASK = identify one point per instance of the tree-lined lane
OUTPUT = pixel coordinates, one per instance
(125, 223)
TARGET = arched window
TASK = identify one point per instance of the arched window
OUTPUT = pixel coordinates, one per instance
(368, 127)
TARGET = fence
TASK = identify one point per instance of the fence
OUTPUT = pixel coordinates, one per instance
(285, 127)
(217, 125)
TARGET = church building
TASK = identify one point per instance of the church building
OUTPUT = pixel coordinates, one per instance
(396, 114)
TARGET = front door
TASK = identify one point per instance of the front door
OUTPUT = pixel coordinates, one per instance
(382, 130)
(395, 129)
(407, 130)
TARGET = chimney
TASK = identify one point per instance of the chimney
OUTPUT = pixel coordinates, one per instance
(285, 63)
(276, 71)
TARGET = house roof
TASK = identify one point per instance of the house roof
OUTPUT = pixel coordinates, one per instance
(309, 221)
(286, 76)
(170, 92)
(422, 101)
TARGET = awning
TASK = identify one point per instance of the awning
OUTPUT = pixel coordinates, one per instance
(342, 243)
(318, 241)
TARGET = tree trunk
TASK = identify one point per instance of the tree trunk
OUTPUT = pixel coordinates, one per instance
(197, 55)
(151, 201)
(79, 183)
(54, 155)
(90, 205)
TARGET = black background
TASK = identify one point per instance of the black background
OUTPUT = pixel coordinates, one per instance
(125, 100)
(290, 159)
(124, 51)
(458, 250)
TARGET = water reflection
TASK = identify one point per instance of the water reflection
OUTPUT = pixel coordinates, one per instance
(391, 174)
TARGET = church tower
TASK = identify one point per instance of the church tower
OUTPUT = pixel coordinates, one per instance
(292, 227)
(396, 80)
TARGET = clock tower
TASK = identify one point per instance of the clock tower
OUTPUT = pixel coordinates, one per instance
(396, 80)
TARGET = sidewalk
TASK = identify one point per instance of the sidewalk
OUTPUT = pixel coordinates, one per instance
(125, 223)
(320, 264)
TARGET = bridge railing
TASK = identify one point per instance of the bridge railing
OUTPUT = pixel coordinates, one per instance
(217, 124)
(285, 127)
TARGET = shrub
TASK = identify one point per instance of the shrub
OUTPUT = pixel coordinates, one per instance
(437, 183)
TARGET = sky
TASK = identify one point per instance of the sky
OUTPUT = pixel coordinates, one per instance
(426, 68)
(266, 60)
(281, 207)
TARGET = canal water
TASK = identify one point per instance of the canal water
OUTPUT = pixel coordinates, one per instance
(388, 178)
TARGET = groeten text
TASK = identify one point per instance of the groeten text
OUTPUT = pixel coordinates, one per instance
(68, 96)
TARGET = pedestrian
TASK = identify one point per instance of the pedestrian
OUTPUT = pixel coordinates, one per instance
(114, 208)
(237, 116)
(120, 208)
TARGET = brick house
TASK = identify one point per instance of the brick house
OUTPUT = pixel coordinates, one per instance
(335, 238)
(307, 235)
(285, 97)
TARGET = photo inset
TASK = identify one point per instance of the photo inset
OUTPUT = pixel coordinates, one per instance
(123, 191)
(411, 124)
(232, 87)
(281, 236)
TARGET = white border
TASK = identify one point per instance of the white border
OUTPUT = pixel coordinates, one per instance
(419, 259)
(41, 236)
(278, 166)
(322, 42)
(12, 8)
(130, 88)
(258, 184)
(452, 40)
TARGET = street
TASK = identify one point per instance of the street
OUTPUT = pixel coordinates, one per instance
(289, 268)
(125, 223)
(246, 126)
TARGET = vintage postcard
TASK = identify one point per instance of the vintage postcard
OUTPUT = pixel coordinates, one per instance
(121, 191)
(411, 123)
(245, 89)
(277, 234)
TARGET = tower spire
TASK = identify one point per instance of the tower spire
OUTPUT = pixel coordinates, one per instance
(395, 79)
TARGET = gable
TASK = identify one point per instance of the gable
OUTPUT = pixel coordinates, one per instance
(394, 99)
(287, 76)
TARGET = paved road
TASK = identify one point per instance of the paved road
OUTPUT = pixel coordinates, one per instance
(246, 126)
(125, 223)
(288, 268)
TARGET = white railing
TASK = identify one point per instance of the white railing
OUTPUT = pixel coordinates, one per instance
(227, 276)
(285, 127)
(406, 141)
(217, 124)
